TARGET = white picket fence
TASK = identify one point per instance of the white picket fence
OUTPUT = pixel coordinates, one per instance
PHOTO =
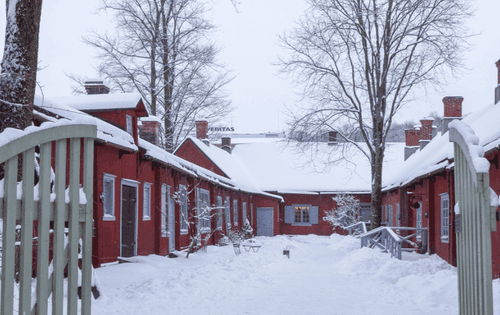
(475, 221)
(74, 218)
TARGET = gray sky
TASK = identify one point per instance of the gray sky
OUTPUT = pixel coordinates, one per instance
(249, 42)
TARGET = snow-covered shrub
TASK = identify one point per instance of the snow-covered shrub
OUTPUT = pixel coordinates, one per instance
(346, 212)
(247, 230)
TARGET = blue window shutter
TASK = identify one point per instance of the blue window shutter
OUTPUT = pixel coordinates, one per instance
(289, 216)
(313, 215)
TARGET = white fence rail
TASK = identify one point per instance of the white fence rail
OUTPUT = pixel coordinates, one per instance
(56, 215)
(386, 239)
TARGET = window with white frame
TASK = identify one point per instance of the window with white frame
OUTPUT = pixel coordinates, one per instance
(164, 217)
(130, 125)
(203, 210)
(301, 214)
(445, 218)
(146, 198)
(235, 212)
(244, 212)
(183, 209)
(108, 197)
(219, 212)
(227, 212)
(419, 221)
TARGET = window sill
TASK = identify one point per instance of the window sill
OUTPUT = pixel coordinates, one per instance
(146, 218)
(108, 218)
(445, 239)
(184, 232)
(302, 224)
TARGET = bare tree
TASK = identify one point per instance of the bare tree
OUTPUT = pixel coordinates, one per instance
(346, 212)
(360, 60)
(198, 221)
(19, 64)
(162, 49)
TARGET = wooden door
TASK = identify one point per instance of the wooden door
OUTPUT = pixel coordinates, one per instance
(129, 199)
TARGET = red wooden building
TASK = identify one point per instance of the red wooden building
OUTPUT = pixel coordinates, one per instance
(422, 188)
(135, 183)
(281, 170)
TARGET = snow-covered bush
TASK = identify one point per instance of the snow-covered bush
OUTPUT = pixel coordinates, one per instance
(247, 230)
(346, 212)
(196, 215)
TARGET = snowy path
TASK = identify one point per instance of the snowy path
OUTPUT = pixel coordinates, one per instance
(324, 275)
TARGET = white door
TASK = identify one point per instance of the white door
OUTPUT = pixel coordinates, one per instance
(265, 222)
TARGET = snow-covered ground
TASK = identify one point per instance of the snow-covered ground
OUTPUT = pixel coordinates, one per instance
(324, 275)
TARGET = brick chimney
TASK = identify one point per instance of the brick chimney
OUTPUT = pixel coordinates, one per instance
(201, 129)
(426, 131)
(150, 130)
(96, 87)
(332, 137)
(497, 89)
(226, 144)
(452, 111)
(412, 136)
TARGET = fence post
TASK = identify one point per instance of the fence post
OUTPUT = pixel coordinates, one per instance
(472, 191)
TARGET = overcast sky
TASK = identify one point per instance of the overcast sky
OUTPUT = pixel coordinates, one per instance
(249, 41)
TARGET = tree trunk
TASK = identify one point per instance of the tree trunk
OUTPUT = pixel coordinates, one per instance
(168, 81)
(19, 65)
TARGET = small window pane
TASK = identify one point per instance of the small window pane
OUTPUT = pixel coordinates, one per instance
(108, 197)
(129, 124)
(147, 202)
(235, 211)
(183, 206)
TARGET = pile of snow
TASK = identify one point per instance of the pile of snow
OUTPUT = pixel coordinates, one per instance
(324, 275)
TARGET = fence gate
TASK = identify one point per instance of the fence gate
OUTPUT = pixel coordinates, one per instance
(56, 221)
(475, 219)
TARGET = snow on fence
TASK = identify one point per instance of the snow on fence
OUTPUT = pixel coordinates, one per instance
(77, 217)
(357, 229)
(387, 240)
(475, 220)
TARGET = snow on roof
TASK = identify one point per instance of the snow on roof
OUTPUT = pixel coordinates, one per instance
(161, 155)
(105, 131)
(151, 118)
(282, 168)
(276, 167)
(230, 165)
(96, 102)
(439, 152)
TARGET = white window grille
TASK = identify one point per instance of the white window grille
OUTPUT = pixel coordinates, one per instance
(235, 212)
(130, 128)
(164, 218)
(183, 209)
(445, 218)
(203, 210)
(146, 197)
(108, 197)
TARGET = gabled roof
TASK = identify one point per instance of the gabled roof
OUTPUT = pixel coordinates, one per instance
(105, 131)
(228, 164)
(105, 102)
(277, 167)
(162, 156)
(438, 154)
(321, 169)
